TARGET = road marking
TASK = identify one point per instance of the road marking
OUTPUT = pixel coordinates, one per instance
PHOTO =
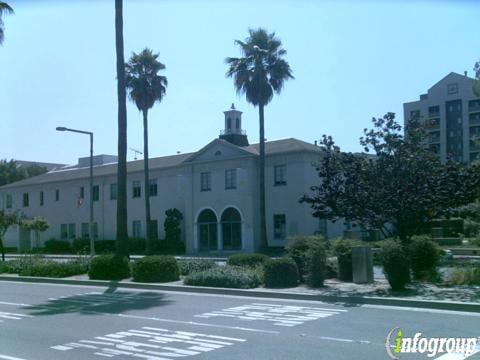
(198, 323)
(459, 356)
(280, 315)
(6, 357)
(151, 343)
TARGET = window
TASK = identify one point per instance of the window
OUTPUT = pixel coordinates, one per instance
(57, 195)
(452, 89)
(136, 189)
(9, 201)
(41, 198)
(136, 228)
(96, 193)
(82, 192)
(67, 231)
(113, 191)
(85, 229)
(153, 187)
(26, 201)
(205, 181)
(433, 110)
(280, 175)
(474, 105)
(229, 124)
(231, 179)
(237, 123)
(279, 222)
(154, 229)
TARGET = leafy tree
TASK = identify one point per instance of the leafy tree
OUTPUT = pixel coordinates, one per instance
(145, 88)
(11, 172)
(259, 74)
(4, 9)
(38, 225)
(476, 83)
(122, 230)
(404, 185)
(172, 224)
(7, 219)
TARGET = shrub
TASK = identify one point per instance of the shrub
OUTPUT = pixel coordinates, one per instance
(280, 273)
(104, 246)
(136, 245)
(81, 246)
(424, 257)
(316, 267)
(109, 267)
(343, 250)
(247, 260)
(190, 266)
(155, 269)
(225, 276)
(469, 275)
(299, 248)
(475, 241)
(50, 268)
(395, 265)
(451, 241)
(169, 247)
(54, 246)
(331, 268)
(3, 267)
(171, 225)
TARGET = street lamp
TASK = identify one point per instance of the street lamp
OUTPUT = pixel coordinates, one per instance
(92, 240)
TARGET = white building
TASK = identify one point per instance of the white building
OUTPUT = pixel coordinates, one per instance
(215, 188)
(453, 114)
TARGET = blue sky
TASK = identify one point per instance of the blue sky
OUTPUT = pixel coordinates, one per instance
(351, 61)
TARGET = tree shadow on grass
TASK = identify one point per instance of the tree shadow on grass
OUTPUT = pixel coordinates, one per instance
(110, 301)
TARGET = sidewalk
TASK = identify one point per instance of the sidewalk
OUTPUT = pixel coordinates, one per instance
(427, 296)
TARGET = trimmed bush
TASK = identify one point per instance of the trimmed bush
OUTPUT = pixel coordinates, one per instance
(225, 276)
(395, 263)
(54, 246)
(343, 250)
(453, 241)
(331, 268)
(136, 245)
(50, 268)
(104, 246)
(247, 260)
(317, 267)
(190, 266)
(155, 269)
(469, 275)
(299, 248)
(280, 273)
(81, 246)
(109, 267)
(424, 257)
(169, 247)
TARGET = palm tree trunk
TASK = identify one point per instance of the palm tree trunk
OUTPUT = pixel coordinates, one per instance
(149, 240)
(263, 225)
(122, 229)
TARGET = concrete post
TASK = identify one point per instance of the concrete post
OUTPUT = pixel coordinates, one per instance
(362, 265)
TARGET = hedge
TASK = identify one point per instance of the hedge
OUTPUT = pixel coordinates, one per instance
(225, 276)
(190, 266)
(247, 260)
(155, 269)
(109, 267)
(280, 273)
(395, 263)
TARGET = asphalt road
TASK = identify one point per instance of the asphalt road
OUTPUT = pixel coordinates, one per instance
(44, 322)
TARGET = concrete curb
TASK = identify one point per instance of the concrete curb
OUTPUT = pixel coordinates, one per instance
(334, 299)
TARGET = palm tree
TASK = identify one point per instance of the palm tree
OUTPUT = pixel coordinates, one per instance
(145, 88)
(122, 229)
(4, 9)
(259, 74)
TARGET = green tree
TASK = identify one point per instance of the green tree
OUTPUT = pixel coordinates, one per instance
(37, 225)
(7, 219)
(4, 9)
(404, 185)
(122, 230)
(145, 88)
(10, 171)
(476, 83)
(172, 224)
(259, 74)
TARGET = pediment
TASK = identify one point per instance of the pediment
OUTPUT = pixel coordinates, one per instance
(219, 149)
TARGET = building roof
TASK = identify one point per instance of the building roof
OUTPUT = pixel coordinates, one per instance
(271, 148)
(48, 166)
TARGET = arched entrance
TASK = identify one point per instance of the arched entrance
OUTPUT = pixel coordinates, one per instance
(207, 230)
(231, 229)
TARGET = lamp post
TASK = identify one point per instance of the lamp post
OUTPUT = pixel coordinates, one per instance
(92, 240)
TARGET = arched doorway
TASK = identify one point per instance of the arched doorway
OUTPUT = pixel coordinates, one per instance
(231, 229)
(207, 230)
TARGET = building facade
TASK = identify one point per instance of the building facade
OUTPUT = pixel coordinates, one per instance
(215, 188)
(452, 113)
